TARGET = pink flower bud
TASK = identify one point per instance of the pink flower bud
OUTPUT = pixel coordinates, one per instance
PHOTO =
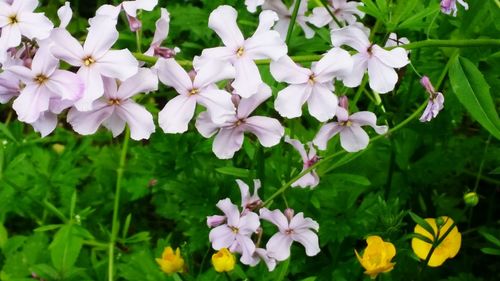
(289, 213)
(426, 82)
(344, 102)
(134, 23)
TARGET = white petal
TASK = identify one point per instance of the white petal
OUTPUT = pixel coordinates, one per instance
(144, 81)
(247, 79)
(227, 142)
(248, 105)
(335, 63)
(205, 126)
(94, 88)
(326, 132)
(366, 118)
(360, 64)
(278, 246)
(309, 240)
(32, 101)
(115, 124)
(44, 62)
(383, 78)
(299, 147)
(173, 75)
(218, 104)
(101, 37)
(87, 123)
(120, 64)
(221, 237)
(212, 72)
(290, 100)
(223, 21)
(66, 84)
(46, 123)
(10, 37)
(275, 217)
(286, 70)
(175, 116)
(352, 36)
(138, 119)
(397, 57)
(354, 139)
(65, 14)
(35, 25)
(264, 45)
(66, 47)
(268, 130)
(322, 103)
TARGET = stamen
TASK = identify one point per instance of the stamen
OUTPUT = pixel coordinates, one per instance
(114, 101)
(240, 52)
(13, 19)
(193, 92)
(234, 229)
(311, 79)
(40, 79)
(88, 61)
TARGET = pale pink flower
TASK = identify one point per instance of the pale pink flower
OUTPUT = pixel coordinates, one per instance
(262, 254)
(240, 52)
(9, 86)
(18, 19)
(314, 86)
(161, 33)
(285, 14)
(236, 232)
(117, 108)
(130, 8)
(230, 134)
(95, 58)
(345, 11)
(352, 137)
(175, 116)
(435, 103)
(292, 228)
(450, 6)
(310, 179)
(253, 4)
(380, 63)
(249, 202)
(44, 81)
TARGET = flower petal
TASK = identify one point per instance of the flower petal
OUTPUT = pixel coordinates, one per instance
(268, 130)
(326, 132)
(360, 64)
(335, 63)
(101, 37)
(144, 81)
(32, 101)
(138, 118)
(94, 88)
(309, 240)
(120, 64)
(397, 57)
(173, 75)
(354, 139)
(34, 25)
(223, 21)
(231, 211)
(221, 237)
(352, 36)
(383, 78)
(218, 104)
(247, 105)
(275, 217)
(87, 123)
(115, 124)
(205, 126)
(247, 80)
(366, 118)
(45, 124)
(322, 103)
(66, 47)
(227, 142)
(286, 70)
(278, 246)
(175, 116)
(212, 72)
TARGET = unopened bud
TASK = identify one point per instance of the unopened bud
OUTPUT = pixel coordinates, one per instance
(58, 148)
(289, 213)
(344, 102)
(163, 52)
(134, 23)
(471, 199)
(440, 222)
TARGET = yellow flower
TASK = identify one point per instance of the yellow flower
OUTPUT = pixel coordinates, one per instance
(171, 262)
(223, 260)
(377, 256)
(447, 249)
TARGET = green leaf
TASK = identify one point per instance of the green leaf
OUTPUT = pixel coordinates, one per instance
(473, 92)
(4, 236)
(65, 248)
(418, 236)
(48, 227)
(423, 223)
(233, 171)
(491, 251)
(490, 237)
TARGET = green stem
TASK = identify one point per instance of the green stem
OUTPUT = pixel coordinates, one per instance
(335, 155)
(292, 22)
(323, 2)
(116, 206)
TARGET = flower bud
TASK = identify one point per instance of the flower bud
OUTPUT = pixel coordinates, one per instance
(171, 262)
(289, 213)
(344, 102)
(223, 260)
(471, 199)
(213, 221)
(58, 148)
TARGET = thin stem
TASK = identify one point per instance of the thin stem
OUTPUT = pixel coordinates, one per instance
(116, 206)
(335, 155)
(466, 43)
(292, 21)
(323, 2)
(481, 165)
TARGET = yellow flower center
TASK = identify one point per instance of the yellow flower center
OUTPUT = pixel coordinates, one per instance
(114, 101)
(88, 61)
(234, 229)
(240, 51)
(311, 79)
(194, 92)
(12, 19)
(40, 79)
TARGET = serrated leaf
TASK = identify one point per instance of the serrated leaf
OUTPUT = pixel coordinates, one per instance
(473, 92)
(233, 171)
(423, 223)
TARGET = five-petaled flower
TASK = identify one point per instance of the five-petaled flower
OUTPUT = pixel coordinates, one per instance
(447, 249)
(377, 256)
(450, 6)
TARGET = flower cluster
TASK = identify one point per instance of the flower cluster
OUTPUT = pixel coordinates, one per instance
(102, 86)
(234, 230)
